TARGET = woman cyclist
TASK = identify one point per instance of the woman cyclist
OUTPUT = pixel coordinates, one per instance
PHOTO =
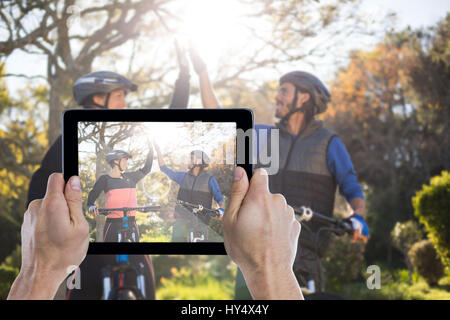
(120, 189)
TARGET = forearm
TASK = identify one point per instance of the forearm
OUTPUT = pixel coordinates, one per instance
(180, 98)
(161, 160)
(359, 206)
(273, 283)
(209, 99)
(148, 163)
(31, 285)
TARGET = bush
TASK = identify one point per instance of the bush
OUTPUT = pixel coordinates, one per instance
(194, 277)
(432, 207)
(342, 262)
(9, 270)
(403, 236)
(7, 276)
(424, 258)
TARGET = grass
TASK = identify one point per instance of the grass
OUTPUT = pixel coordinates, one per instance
(399, 288)
(185, 284)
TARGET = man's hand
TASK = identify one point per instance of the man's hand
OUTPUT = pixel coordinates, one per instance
(361, 230)
(158, 150)
(260, 235)
(197, 61)
(182, 59)
(55, 239)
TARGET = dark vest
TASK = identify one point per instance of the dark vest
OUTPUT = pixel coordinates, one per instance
(195, 189)
(304, 178)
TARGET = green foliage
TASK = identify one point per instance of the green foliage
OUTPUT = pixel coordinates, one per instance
(194, 277)
(405, 234)
(187, 284)
(397, 290)
(9, 270)
(424, 258)
(342, 262)
(432, 207)
(7, 276)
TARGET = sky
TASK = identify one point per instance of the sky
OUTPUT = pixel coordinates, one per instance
(415, 13)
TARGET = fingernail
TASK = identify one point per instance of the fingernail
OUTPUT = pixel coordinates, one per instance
(75, 183)
(262, 172)
(237, 174)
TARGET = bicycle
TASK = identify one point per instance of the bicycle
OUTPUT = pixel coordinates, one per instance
(336, 226)
(199, 231)
(115, 278)
(125, 226)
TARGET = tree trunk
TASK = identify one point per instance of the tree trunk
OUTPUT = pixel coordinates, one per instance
(55, 108)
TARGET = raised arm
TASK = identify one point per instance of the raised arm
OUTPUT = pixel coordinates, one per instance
(176, 176)
(160, 157)
(180, 98)
(209, 99)
(148, 162)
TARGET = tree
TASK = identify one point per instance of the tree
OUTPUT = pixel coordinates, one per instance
(394, 138)
(70, 48)
(21, 145)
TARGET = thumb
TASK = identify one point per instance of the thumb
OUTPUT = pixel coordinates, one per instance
(238, 191)
(72, 194)
(259, 183)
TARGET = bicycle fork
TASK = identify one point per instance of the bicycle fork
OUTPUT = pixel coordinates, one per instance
(124, 263)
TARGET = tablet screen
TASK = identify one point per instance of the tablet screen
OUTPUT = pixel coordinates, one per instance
(156, 181)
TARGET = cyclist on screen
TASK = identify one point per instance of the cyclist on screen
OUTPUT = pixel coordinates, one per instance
(197, 186)
(120, 189)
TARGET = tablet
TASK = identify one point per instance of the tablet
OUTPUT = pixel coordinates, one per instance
(154, 181)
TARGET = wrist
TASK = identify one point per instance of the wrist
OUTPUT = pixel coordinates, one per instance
(31, 284)
(272, 282)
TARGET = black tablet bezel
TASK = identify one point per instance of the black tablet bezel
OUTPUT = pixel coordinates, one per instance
(242, 117)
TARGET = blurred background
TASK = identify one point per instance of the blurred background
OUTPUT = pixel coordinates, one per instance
(387, 65)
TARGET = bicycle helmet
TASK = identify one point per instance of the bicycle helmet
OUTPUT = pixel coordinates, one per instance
(116, 155)
(100, 82)
(306, 82)
(199, 154)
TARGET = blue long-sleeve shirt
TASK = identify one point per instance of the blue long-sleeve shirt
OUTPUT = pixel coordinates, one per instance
(178, 177)
(339, 164)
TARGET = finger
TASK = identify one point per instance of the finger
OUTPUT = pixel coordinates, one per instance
(259, 182)
(238, 191)
(55, 185)
(33, 209)
(73, 197)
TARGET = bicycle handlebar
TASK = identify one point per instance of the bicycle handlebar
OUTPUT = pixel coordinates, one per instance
(105, 211)
(197, 208)
(306, 214)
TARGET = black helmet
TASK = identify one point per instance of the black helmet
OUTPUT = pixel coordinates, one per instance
(100, 82)
(198, 154)
(116, 155)
(305, 81)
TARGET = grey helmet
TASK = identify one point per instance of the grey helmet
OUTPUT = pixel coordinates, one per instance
(304, 81)
(100, 82)
(116, 155)
(199, 154)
